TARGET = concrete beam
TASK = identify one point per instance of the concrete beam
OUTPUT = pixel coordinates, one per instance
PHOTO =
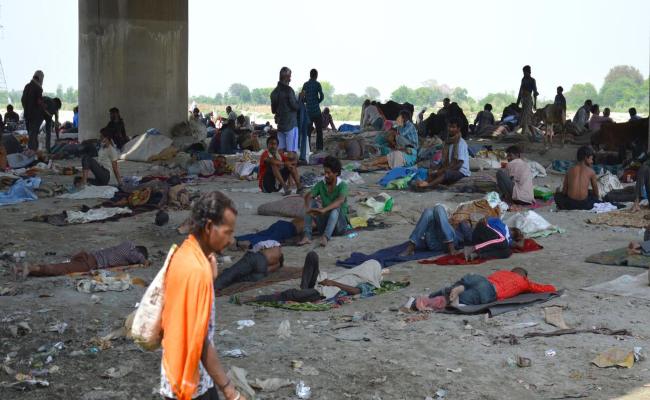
(133, 56)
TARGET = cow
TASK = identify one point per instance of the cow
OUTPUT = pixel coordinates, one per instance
(436, 124)
(550, 114)
(620, 137)
(391, 109)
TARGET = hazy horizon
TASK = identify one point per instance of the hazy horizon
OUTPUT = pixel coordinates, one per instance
(359, 44)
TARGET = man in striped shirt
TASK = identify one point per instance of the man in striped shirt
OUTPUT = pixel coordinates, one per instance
(126, 253)
(313, 96)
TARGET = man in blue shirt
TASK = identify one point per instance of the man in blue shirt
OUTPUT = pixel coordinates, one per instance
(454, 164)
(313, 96)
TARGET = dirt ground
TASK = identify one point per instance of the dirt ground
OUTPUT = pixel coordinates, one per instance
(381, 356)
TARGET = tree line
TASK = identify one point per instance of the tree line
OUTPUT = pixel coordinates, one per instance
(623, 87)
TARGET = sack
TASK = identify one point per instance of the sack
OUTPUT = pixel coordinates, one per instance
(146, 329)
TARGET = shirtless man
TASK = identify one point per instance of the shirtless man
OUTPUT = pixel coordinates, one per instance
(575, 193)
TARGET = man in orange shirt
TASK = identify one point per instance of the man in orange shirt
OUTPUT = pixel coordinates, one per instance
(474, 289)
(190, 367)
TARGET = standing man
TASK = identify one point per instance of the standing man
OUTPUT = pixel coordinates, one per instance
(231, 114)
(33, 107)
(190, 367)
(528, 99)
(560, 103)
(313, 96)
(285, 106)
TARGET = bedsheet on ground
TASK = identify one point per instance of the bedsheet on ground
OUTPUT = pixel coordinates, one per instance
(459, 259)
(386, 257)
(503, 306)
(626, 285)
(619, 257)
(284, 274)
(622, 218)
(386, 287)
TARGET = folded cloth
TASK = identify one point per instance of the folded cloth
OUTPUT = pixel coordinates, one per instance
(386, 257)
(459, 259)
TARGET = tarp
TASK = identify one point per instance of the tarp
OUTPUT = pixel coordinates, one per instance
(20, 191)
(144, 147)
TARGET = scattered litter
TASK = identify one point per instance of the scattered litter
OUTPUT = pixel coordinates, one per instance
(303, 391)
(270, 384)
(95, 299)
(523, 362)
(115, 373)
(104, 283)
(553, 316)
(455, 371)
(550, 353)
(296, 364)
(614, 357)
(20, 329)
(284, 330)
(378, 381)
(60, 327)
(440, 394)
(225, 332)
(638, 355)
(307, 371)
(245, 323)
(77, 353)
(235, 353)
(522, 325)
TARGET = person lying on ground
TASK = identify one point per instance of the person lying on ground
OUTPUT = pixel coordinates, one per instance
(489, 238)
(104, 168)
(328, 121)
(401, 144)
(316, 285)
(638, 248)
(474, 289)
(575, 194)
(265, 259)
(642, 186)
(280, 231)
(515, 181)
(124, 254)
(454, 164)
(332, 215)
(277, 170)
(190, 365)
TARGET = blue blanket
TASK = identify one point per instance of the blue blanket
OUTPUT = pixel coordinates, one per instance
(349, 128)
(279, 231)
(386, 257)
(20, 191)
(401, 172)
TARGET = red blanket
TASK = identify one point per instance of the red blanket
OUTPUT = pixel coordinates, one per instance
(459, 259)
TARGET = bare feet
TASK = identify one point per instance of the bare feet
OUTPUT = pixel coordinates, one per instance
(455, 293)
(20, 271)
(323, 241)
(305, 240)
(410, 250)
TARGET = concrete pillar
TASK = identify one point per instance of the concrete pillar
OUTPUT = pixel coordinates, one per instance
(133, 56)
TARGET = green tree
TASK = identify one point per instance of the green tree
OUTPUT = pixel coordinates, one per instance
(372, 93)
(261, 95)
(240, 92)
(403, 94)
(459, 95)
(328, 92)
(579, 92)
(498, 100)
(624, 71)
(218, 98)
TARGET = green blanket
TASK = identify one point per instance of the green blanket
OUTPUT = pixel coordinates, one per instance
(619, 257)
(386, 287)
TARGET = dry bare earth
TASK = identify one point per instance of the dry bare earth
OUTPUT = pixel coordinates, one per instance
(382, 357)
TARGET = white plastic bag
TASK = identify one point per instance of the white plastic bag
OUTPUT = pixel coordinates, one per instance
(146, 330)
(528, 222)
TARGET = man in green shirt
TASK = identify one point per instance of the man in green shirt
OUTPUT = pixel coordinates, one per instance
(332, 215)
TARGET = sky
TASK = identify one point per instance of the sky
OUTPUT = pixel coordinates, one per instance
(478, 45)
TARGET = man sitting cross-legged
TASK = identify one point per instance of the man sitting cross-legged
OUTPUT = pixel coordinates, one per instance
(277, 168)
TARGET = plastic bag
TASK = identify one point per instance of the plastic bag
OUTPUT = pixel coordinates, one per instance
(146, 329)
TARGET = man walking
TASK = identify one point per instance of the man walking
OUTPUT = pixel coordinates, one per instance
(313, 96)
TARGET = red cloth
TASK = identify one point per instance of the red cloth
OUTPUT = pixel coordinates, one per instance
(509, 284)
(262, 167)
(459, 259)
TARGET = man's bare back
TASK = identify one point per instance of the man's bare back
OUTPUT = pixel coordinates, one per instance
(578, 180)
